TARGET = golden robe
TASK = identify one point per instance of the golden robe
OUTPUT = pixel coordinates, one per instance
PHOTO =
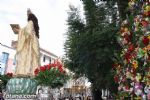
(27, 54)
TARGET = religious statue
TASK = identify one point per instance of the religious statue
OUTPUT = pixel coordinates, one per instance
(27, 53)
(27, 58)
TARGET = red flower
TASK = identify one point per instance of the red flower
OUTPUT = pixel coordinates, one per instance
(60, 69)
(46, 77)
(144, 23)
(9, 74)
(116, 79)
(48, 67)
(145, 40)
(147, 13)
(36, 71)
(128, 56)
(115, 65)
(42, 68)
(53, 65)
(127, 87)
(134, 54)
(59, 66)
(128, 36)
(131, 48)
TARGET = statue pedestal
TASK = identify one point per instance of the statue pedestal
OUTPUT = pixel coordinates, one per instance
(21, 88)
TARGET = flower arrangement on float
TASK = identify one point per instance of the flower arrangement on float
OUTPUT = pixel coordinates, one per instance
(53, 75)
(132, 70)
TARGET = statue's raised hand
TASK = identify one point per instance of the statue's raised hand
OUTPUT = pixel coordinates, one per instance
(16, 30)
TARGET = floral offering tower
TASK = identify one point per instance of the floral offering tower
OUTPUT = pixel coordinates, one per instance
(132, 70)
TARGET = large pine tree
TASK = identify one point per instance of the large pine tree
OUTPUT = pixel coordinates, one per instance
(91, 46)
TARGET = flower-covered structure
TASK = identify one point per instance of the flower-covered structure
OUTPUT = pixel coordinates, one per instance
(133, 68)
(52, 75)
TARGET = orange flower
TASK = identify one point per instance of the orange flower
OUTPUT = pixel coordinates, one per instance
(135, 64)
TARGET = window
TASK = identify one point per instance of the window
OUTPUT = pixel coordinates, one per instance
(3, 60)
(14, 61)
(4, 57)
(44, 58)
(50, 60)
(1, 70)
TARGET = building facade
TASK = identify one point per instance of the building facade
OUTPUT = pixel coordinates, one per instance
(8, 62)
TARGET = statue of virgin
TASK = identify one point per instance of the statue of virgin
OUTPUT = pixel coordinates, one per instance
(27, 53)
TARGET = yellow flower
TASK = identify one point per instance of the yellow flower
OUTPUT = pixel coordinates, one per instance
(137, 98)
(135, 64)
(145, 49)
(138, 77)
(148, 37)
(147, 8)
(126, 29)
(148, 47)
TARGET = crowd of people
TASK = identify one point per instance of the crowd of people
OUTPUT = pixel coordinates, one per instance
(81, 97)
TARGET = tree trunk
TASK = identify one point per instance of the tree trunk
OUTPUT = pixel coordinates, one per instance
(97, 94)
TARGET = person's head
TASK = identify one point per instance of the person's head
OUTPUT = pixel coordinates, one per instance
(33, 18)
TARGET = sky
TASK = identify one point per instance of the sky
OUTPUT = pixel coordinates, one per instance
(51, 14)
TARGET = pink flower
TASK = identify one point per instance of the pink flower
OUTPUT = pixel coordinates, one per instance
(148, 96)
(144, 23)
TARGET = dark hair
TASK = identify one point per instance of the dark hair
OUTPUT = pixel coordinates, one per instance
(34, 19)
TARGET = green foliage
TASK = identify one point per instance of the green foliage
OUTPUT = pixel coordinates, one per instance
(91, 47)
(73, 42)
(4, 79)
(122, 8)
